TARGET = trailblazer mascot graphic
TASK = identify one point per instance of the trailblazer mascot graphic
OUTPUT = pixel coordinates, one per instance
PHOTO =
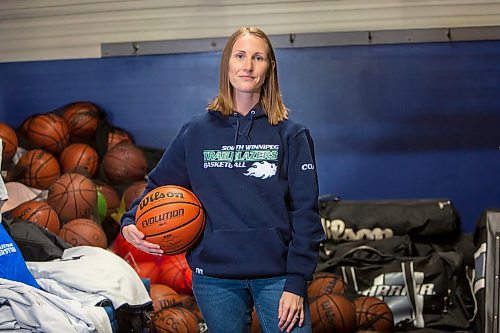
(261, 170)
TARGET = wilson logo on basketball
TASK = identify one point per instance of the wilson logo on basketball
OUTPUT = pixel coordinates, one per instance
(163, 217)
(158, 196)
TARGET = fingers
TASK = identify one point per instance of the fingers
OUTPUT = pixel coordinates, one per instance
(290, 311)
(136, 238)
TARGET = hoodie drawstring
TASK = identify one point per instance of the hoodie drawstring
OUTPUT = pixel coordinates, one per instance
(248, 128)
(235, 136)
(246, 131)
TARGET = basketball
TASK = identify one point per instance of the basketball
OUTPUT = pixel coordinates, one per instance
(116, 136)
(373, 314)
(174, 319)
(73, 196)
(82, 119)
(163, 296)
(48, 131)
(325, 284)
(333, 313)
(38, 168)
(112, 198)
(9, 141)
(124, 162)
(133, 191)
(175, 273)
(171, 216)
(147, 270)
(79, 158)
(83, 231)
(40, 213)
(23, 129)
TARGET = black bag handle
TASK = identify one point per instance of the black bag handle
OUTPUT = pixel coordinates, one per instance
(382, 256)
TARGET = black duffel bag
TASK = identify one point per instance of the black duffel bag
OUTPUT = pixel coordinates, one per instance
(431, 291)
(378, 219)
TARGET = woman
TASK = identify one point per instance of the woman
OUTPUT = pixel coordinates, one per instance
(254, 172)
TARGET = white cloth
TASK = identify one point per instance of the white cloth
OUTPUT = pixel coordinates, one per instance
(3, 190)
(29, 308)
(20, 193)
(96, 272)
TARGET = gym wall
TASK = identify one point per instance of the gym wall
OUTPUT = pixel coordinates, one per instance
(390, 120)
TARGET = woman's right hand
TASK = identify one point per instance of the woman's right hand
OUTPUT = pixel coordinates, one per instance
(136, 238)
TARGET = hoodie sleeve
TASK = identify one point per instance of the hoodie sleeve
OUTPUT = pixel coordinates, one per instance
(170, 170)
(307, 231)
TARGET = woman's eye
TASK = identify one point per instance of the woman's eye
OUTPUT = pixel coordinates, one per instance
(259, 58)
(239, 55)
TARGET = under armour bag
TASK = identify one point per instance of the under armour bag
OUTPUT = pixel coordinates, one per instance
(430, 291)
(487, 271)
(377, 219)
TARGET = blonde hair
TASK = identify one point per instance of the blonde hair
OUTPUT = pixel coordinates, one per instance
(270, 96)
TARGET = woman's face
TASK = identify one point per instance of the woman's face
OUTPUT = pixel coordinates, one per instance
(248, 64)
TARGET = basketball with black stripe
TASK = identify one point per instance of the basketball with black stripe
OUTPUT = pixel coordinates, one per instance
(125, 162)
(373, 314)
(38, 168)
(83, 232)
(9, 141)
(333, 313)
(79, 158)
(176, 319)
(39, 212)
(82, 119)
(48, 131)
(171, 216)
(73, 196)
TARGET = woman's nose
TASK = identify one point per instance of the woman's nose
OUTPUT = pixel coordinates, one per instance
(248, 64)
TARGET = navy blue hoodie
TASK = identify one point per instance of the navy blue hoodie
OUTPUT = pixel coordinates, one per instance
(258, 185)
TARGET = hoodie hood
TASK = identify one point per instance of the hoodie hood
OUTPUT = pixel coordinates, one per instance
(242, 124)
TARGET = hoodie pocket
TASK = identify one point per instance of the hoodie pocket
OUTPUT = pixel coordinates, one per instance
(240, 253)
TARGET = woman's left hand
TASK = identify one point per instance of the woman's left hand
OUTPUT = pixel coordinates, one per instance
(291, 311)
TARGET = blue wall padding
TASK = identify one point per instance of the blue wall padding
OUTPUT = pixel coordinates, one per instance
(389, 121)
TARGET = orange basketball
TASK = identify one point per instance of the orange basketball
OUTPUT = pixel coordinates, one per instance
(117, 135)
(83, 231)
(9, 141)
(163, 296)
(133, 191)
(73, 196)
(175, 273)
(82, 119)
(325, 284)
(79, 158)
(38, 168)
(171, 216)
(48, 131)
(373, 314)
(40, 213)
(333, 313)
(174, 319)
(24, 128)
(124, 162)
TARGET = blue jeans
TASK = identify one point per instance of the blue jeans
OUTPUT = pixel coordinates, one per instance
(227, 304)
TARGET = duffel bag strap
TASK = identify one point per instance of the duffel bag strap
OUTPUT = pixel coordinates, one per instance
(417, 302)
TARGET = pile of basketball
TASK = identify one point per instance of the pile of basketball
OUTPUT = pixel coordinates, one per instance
(58, 156)
(334, 310)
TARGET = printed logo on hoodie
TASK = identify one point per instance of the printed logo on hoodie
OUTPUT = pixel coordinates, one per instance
(256, 158)
(262, 170)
